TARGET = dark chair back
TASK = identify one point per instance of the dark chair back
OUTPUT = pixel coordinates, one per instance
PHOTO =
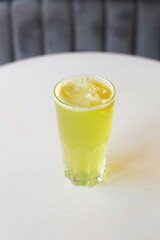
(34, 27)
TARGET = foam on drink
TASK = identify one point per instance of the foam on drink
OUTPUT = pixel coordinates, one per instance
(84, 91)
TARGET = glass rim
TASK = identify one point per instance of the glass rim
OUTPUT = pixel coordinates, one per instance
(79, 108)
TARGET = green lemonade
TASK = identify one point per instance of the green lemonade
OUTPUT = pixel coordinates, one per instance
(84, 106)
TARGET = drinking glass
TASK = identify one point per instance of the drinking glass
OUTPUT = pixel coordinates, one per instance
(84, 133)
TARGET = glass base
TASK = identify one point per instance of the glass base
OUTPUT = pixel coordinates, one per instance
(80, 182)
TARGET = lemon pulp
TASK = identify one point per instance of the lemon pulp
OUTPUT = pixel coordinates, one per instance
(84, 92)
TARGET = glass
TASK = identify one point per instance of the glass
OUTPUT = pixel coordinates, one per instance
(84, 134)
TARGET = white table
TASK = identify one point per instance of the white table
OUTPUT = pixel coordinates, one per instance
(36, 201)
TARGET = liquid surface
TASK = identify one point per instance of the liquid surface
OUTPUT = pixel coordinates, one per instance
(84, 92)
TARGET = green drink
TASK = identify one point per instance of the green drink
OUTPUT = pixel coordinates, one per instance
(84, 106)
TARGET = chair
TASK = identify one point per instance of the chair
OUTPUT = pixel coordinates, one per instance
(34, 27)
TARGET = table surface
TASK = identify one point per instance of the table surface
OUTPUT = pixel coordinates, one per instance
(36, 201)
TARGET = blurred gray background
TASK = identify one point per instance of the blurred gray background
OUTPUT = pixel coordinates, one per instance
(35, 27)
